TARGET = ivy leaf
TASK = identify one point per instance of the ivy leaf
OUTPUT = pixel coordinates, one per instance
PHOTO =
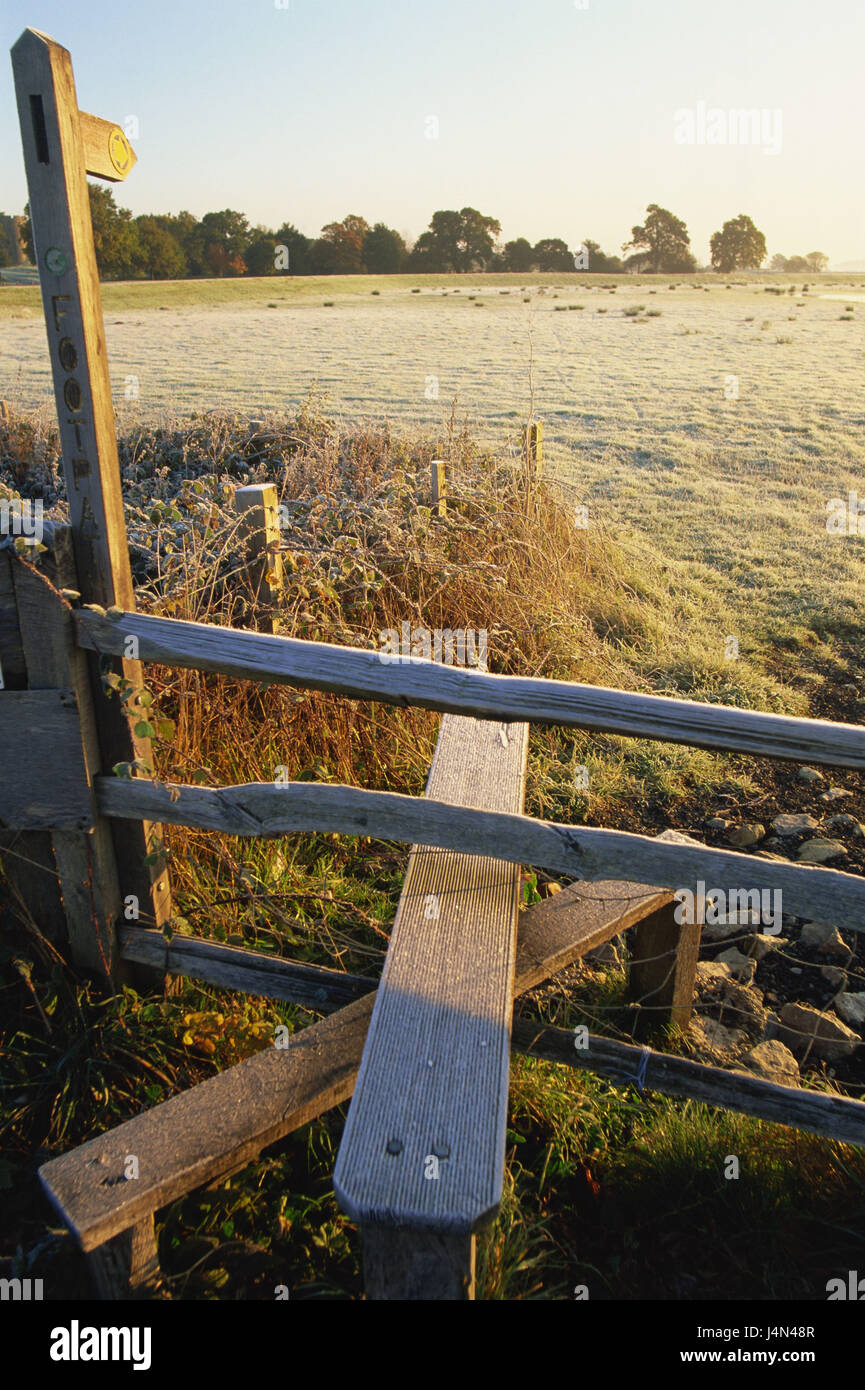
(144, 729)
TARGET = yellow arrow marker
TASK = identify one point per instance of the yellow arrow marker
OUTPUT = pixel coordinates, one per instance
(107, 152)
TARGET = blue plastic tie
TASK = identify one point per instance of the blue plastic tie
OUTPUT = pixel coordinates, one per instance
(640, 1078)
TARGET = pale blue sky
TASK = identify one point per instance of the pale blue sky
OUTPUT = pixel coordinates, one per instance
(557, 120)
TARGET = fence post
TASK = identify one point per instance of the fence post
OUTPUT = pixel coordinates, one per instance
(258, 510)
(27, 855)
(437, 478)
(663, 970)
(60, 146)
(533, 448)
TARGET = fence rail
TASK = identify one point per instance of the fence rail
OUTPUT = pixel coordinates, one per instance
(374, 675)
(263, 808)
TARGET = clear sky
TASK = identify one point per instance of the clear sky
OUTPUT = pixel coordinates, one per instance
(556, 119)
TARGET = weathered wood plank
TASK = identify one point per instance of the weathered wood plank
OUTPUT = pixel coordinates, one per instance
(461, 690)
(834, 1116)
(202, 1134)
(234, 967)
(86, 863)
(55, 164)
(424, 1144)
(27, 856)
(556, 932)
(826, 895)
(663, 970)
(96, 1204)
(107, 152)
(198, 1136)
(44, 780)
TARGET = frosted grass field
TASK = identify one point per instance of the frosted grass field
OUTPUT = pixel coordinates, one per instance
(717, 431)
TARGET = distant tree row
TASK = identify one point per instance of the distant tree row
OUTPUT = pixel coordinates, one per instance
(172, 247)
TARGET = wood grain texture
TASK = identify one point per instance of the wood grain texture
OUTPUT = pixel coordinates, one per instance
(55, 164)
(663, 970)
(372, 675)
(834, 1116)
(128, 1264)
(211, 1130)
(107, 152)
(86, 863)
(234, 967)
(201, 1134)
(27, 857)
(44, 779)
(431, 1094)
(826, 895)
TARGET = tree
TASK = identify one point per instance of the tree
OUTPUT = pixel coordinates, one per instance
(224, 237)
(817, 261)
(797, 265)
(383, 250)
(456, 241)
(664, 240)
(162, 257)
(778, 262)
(298, 247)
(738, 246)
(116, 237)
(518, 255)
(260, 254)
(339, 249)
(599, 262)
(552, 254)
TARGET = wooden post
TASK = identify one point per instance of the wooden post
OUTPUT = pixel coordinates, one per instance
(4, 413)
(85, 861)
(533, 448)
(258, 509)
(664, 970)
(27, 855)
(437, 477)
(59, 149)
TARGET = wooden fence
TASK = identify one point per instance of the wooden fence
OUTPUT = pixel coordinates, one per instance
(427, 1052)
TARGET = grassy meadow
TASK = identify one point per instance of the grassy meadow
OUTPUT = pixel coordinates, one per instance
(704, 428)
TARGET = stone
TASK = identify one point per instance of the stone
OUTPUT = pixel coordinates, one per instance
(712, 970)
(803, 1028)
(678, 837)
(741, 967)
(833, 975)
(825, 939)
(767, 854)
(809, 774)
(851, 1007)
(850, 689)
(847, 822)
(718, 823)
(744, 835)
(760, 944)
(794, 824)
(772, 1061)
(834, 794)
(820, 851)
(720, 931)
(715, 1038)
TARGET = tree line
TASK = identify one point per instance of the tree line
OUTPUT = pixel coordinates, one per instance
(166, 246)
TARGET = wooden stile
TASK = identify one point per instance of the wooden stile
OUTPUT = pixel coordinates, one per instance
(58, 148)
(423, 1146)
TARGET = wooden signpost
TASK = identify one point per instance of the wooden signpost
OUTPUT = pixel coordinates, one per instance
(61, 146)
